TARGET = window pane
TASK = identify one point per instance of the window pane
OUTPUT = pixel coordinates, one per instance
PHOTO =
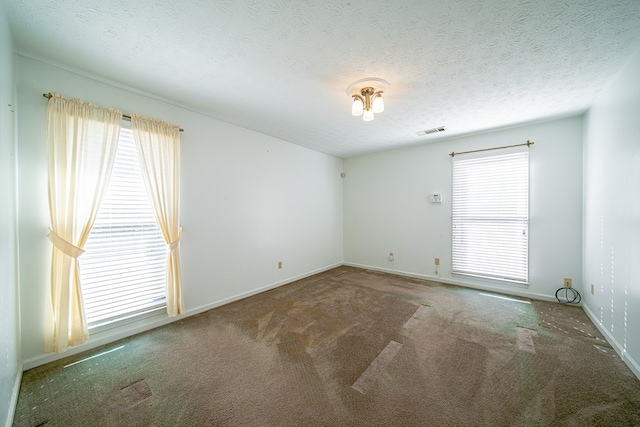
(123, 270)
(490, 213)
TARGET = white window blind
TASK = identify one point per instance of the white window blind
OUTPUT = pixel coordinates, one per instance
(123, 271)
(490, 213)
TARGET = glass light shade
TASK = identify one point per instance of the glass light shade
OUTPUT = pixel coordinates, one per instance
(378, 104)
(358, 107)
(367, 116)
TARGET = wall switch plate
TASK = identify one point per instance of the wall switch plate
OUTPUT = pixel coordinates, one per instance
(435, 198)
(279, 264)
(437, 261)
(567, 282)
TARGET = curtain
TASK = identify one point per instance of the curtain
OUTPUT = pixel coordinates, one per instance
(81, 145)
(158, 145)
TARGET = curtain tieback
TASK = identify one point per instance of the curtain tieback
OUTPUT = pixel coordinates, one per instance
(64, 246)
(176, 242)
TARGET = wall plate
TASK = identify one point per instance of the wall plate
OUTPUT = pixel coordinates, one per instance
(435, 198)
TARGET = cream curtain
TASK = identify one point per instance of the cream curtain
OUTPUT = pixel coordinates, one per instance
(81, 145)
(158, 145)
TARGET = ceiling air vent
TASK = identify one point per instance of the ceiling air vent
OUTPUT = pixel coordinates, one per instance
(430, 131)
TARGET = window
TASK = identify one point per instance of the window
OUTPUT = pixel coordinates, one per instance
(490, 215)
(123, 269)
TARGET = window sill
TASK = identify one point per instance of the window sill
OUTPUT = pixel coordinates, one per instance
(492, 280)
(153, 313)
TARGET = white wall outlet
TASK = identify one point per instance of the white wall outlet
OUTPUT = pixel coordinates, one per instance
(391, 256)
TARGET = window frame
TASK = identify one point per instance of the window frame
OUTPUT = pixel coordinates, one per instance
(483, 254)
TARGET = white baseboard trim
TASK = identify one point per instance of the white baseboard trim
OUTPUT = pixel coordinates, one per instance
(463, 283)
(252, 292)
(625, 356)
(109, 336)
(99, 339)
(14, 396)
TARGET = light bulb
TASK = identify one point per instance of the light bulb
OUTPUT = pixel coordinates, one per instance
(358, 107)
(378, 104)
(367, 116)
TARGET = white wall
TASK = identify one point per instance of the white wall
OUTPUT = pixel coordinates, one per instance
(248, 201)
(10, 360)
(387, 207)
(612, 213)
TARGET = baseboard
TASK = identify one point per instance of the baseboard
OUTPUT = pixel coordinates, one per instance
(14, 397)
(625, 356)
(100, 339)
(463, 283)
(106, 337)
(265, 288)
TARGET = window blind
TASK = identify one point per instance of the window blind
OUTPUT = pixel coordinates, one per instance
(490, 215)
(123, 271)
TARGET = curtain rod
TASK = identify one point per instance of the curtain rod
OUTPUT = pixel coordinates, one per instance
(124, 116)
(528, 144)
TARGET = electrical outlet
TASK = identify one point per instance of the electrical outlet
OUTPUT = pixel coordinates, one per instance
(279, 264)
(593, 289)
(391, 256)
(437, 261)
(567, 282)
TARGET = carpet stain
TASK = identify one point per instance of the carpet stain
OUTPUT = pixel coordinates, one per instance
(136, 392)
(375, 369)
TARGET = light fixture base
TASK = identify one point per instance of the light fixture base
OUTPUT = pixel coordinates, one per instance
(378, 85)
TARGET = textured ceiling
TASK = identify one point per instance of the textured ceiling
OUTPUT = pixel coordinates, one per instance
(281, 67)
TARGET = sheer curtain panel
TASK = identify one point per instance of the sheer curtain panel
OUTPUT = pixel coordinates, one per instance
(81, 144)
(158, 145)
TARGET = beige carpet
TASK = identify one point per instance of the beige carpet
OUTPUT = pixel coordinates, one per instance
(348, 347)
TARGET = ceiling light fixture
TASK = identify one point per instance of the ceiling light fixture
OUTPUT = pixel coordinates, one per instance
(367, 97)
